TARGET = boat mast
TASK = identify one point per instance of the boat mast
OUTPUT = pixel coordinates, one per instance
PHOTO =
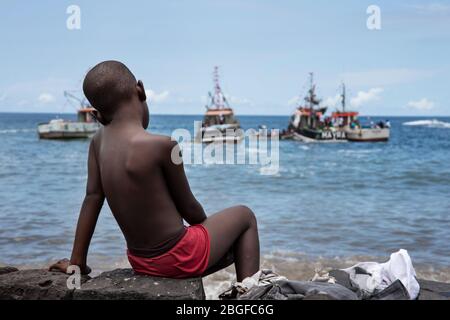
(343, 97)
(311, 90)
(218, 100)
(311, 98)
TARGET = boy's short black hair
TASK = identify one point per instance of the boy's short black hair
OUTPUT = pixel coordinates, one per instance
(108, 84)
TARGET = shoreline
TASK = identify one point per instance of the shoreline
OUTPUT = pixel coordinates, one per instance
(291, 265)
(125, 284)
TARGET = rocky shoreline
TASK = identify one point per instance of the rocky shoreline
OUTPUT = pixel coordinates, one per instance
(119, 284)
(123, 284)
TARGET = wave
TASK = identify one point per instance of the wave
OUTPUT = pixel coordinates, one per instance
(269, 171)
(428, 123)
(9, 131)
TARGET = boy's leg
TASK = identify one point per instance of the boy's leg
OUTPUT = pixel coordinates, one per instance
(234, 227)
(224, 262)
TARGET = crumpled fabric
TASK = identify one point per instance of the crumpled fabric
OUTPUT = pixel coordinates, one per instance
(372, 277)
(323, 276)
(267, 285)
(261, 278)
(392, 280)
(299, 290)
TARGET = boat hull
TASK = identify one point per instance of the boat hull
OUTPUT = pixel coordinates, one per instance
(222, 139)
(320, 135)
(368, 135)
(65, 135)
(62, 130)
(298, 137)
(228, 133)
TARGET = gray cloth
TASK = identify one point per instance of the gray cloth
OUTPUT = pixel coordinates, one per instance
(299, 290)
(395, 291)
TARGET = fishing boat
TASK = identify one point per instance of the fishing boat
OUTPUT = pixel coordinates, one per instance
(348, 122)
(219, 122)
(308, 123)
(85, 126)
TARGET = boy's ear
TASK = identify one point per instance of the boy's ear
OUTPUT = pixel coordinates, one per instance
(141, 91)
(98, 116)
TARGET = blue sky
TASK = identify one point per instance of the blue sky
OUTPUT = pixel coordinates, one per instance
(264, 49)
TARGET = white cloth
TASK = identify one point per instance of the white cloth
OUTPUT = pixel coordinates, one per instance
(261, 278)
(399, 267)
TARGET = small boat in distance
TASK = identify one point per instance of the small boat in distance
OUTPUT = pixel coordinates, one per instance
(85, 126)
(348, 122)
(307, 123)
(219, 123)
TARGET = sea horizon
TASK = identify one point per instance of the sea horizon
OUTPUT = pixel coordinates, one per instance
(239, 115)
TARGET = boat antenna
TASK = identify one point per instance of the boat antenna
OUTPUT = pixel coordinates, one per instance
(82, 101)
(211, 99)
(218, 99)
(311, 89)
(343, 97)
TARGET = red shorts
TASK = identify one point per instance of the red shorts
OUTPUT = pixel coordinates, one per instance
(188, 258)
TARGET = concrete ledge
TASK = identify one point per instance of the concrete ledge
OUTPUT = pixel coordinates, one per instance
(120, 284)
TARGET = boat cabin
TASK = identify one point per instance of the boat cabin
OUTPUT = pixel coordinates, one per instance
(219, 117)
(307, 117)
(84, 115)
(344, 119)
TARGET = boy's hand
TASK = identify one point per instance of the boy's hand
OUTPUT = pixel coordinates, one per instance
(63, 265)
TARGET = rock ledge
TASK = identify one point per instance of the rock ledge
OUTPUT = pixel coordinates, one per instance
(120, 284)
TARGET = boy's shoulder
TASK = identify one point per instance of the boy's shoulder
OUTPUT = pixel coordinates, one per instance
(153, 140)
(146, 138)
(153, 145)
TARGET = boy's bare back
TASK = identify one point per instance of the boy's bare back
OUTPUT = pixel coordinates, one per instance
(133, 168)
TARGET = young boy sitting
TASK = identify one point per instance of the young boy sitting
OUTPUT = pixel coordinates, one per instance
(149, 195)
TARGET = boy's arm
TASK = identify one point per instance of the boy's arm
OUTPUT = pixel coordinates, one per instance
(87, 220)
(189, 208)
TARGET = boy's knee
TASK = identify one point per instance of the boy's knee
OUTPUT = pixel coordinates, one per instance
(250, 215)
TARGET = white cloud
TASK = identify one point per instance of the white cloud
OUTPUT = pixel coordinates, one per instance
(27, 95)
(332, 102)
(46, 98)
(366, 96)
(232, 100)
(294, 101)
(385, 77)
(155, 97)
(237, 100)
(421, 105)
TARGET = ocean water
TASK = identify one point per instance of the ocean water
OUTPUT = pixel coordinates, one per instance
(329, 205)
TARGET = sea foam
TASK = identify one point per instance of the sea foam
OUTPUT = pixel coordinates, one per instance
(428, 123)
